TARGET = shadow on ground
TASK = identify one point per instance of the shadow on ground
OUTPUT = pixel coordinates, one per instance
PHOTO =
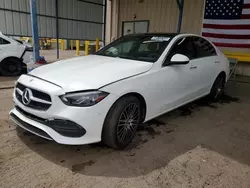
(222, 127)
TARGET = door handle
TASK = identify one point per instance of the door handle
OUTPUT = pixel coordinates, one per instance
(217, 61)
(193, 67)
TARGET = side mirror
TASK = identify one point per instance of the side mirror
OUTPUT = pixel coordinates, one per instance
(179, 59)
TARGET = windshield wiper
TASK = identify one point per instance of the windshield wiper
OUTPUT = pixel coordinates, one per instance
(128, 57)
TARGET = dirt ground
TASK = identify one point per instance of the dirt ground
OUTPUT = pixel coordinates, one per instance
(201, 145)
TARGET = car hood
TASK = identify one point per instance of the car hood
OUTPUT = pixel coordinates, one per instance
(89, 72)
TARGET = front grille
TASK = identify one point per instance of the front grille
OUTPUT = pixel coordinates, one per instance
(40, 101)
(41, 95)
(20, 86)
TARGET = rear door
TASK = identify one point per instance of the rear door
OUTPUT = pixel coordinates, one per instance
(206, 62)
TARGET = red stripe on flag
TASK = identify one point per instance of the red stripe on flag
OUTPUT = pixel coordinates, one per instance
(232, 45)
(246, 6)
(216, 26)
(225, 36)
(245, 16)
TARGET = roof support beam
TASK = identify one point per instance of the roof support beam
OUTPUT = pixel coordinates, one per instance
(105, 23)
(34, 27)
(57, 30)
(180, 4)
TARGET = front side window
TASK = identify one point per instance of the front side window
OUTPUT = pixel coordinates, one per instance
(182, 46)
(3, 41)
(203, 48)
(137, 47)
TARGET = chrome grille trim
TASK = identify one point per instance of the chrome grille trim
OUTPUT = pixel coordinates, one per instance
(36, 102)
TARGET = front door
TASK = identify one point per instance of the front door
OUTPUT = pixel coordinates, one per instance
(180, 81)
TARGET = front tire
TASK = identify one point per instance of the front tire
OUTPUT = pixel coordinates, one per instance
(11, 67)
(121, 123)
(218, 88)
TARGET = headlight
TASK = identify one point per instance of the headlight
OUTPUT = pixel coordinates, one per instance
(83, 99)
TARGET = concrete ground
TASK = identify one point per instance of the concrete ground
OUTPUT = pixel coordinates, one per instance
(200, 145)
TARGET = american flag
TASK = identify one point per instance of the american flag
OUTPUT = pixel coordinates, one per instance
(226, 23)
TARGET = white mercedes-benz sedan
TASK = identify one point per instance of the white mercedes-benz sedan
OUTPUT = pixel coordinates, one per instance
(106, 96)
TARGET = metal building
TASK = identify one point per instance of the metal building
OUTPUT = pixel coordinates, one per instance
(64, 19)
(152, 16)
(78, 19)
(133, 16)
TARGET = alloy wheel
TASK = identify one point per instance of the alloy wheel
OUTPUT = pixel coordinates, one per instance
(10, 67)
(128, 122)
(219, 88)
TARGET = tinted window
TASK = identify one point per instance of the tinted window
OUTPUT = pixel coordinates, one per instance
(183, 46)
(203, 48)
(124, 47)
(3, 41)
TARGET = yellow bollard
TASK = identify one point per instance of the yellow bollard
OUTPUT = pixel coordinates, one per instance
(40, 43)
(97, 44)
(77, 47)
(71, 44)
(86, 47)
(62, 45)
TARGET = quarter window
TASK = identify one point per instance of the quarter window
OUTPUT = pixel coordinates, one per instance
(3, 41)
(203, 48)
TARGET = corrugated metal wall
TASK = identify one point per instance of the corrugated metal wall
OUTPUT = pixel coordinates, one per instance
(162, 14)
(14, 19)
(46, 18)
(78, 19)
(192, 16)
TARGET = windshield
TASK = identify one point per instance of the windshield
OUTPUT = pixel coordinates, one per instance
(137, 47)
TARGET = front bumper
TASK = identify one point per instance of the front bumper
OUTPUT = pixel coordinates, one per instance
(61, 123)
(27, 56)
(63, 127)
(29, 127)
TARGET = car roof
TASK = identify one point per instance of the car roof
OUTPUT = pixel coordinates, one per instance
(155, 34)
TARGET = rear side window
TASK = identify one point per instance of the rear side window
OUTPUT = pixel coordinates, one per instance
(3, 41)
(203, 47)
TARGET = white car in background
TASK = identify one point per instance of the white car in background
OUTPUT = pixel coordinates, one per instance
(106, 96)
(14, 56)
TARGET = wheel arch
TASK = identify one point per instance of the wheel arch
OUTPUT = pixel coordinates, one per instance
(141, 100)
(24, 69)
(11, 57)
(223, 74)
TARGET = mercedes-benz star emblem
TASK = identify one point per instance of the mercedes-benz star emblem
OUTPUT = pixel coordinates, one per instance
(26, 97)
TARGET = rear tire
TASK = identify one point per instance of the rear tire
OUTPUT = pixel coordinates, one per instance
(121, 123)
(218, 88)
(11, 67)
